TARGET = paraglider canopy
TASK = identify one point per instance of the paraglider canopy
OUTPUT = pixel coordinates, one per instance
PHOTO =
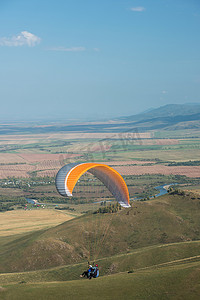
(68, 176)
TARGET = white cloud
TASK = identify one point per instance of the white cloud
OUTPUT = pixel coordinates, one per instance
(138, 8)
(24, 38)
(164, 92)
(71, 49)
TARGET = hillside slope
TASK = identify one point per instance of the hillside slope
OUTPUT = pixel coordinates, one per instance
(151, 257)
(179, 282)
(168, 219)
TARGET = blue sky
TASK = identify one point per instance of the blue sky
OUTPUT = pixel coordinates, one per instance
(71, 59)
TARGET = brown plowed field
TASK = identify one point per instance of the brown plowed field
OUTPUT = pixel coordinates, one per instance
(49, 164)
(17, 168)
(6, 158)
(9, 158)
(128, 162)
(20, 170)
(188, 171)
(20, 164)
(50, 173)
(167, 142)
(17, 174)
(40, 157)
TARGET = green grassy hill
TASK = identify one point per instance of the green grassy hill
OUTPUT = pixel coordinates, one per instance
(171, 282)
(144, 258)
(169, 219)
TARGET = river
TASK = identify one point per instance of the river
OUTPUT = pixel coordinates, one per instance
(163, 189)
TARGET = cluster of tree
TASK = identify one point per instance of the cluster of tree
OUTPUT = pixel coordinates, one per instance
(48, 199)
(64, 208)
(62, 200)
(112, 208)
(11, 202)
(157, 179)
(103, 203)
(185, 163)
(6, 206)
(176, 191)
(146, 199)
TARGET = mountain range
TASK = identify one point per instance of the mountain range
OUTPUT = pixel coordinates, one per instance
(168, 117)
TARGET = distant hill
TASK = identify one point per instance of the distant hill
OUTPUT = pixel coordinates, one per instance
(166, 111)
(168, 117)
(168, 219)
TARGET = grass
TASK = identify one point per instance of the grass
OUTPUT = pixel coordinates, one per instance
(193, 188)
(170, 155)
(177, 134)
(175, 282)
(144, 258)
(21, 221)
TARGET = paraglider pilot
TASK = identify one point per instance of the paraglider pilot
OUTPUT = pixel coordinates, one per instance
(91, 272)
(87, 273)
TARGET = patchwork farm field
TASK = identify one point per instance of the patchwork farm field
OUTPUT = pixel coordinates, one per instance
(29, 163)
(42, 155)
